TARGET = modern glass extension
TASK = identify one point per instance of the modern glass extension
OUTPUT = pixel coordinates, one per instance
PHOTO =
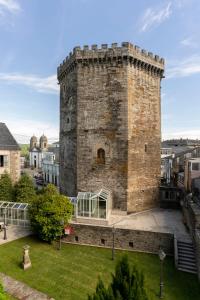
(93, 205)
(14, 213)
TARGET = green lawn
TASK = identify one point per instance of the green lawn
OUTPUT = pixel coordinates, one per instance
(72, 273)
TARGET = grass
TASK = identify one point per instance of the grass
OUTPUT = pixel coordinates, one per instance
(72, 272)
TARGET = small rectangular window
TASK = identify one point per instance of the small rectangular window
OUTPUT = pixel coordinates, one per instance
(103, 241)
(195, 166)
(145, 147)
(131, 244)
(1, 161)
(76, 238)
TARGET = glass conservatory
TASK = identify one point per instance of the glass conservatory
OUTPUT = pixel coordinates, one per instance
(14, 213)
(93, 205)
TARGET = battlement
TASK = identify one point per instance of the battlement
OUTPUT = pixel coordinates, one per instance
(118, 53)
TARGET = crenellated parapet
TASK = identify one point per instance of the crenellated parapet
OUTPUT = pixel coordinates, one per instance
(115, 54)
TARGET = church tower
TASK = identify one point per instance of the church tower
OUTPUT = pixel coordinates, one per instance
(43, 142)
(33, 142)
(110, 123)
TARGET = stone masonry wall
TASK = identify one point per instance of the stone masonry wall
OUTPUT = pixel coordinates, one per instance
(68, 134)
(136, 240)
(110, 100)
(144, 135)
(13, 165)
(102, 123)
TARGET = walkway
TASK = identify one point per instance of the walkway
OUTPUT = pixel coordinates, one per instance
(14, 233)
(20, 290)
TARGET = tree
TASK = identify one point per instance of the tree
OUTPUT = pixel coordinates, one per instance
(24, 189)
(127, 284)
(49, 213)
(6, 188)
(25, 150)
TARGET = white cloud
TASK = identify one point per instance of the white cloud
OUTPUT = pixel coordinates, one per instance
(22, 130)
(153, 17)
(191, 133)
(40, 84)
(9, 6)
(184, 68)
(189, 42)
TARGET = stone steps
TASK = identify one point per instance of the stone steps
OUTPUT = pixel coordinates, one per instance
(186, 260)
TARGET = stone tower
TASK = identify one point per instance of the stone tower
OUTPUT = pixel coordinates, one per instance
(110, 124)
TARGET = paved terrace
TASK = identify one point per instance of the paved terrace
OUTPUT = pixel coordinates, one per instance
(14, 233)
(156, 220)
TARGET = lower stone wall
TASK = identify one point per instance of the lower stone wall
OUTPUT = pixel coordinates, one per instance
(128, 239)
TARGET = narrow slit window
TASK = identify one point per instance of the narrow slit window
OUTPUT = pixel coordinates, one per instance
(101, 156)
(145, 148)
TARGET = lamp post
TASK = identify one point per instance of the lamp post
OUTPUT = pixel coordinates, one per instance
(4, 227)
(113, 242)
(162, 256)
(62, 222)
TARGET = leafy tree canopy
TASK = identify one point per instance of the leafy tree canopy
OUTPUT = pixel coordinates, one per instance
(127, 284)
(25, 150)
(49, 213)
(6, 188)
(24, 189)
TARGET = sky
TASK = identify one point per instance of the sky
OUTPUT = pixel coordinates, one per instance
(36, 35)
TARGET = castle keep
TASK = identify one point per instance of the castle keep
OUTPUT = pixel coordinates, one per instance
(110, 127)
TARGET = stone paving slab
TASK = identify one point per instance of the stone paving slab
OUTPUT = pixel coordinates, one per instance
(21, 290)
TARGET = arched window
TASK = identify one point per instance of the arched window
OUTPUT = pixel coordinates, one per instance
(101, 156)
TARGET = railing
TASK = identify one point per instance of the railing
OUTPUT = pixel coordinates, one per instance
(197, 250)
(175, 251)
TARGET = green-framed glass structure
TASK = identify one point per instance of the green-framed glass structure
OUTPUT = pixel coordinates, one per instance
(14, 213)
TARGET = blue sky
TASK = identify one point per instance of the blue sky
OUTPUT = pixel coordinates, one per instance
(36, 35)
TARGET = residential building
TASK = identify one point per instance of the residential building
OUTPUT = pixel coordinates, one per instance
(50, 168)
(9, 154)
(192, 171)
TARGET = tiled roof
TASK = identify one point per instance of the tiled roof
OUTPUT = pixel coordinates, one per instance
(7, 141)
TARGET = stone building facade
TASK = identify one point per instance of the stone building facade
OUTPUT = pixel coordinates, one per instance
(110, 124)
(9, 154)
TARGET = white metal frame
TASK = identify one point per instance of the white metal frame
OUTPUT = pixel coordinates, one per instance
(99, 196)
(15, 213)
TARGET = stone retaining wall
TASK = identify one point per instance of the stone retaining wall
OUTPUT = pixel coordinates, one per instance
(128, 239)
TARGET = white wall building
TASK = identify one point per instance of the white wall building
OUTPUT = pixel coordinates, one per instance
(50, 169)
